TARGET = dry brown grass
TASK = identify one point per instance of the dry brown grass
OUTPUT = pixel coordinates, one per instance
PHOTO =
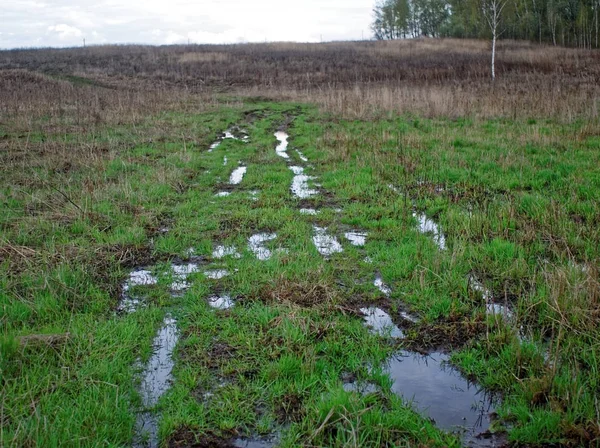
(432, 77)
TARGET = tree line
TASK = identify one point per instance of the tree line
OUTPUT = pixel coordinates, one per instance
(559, 22)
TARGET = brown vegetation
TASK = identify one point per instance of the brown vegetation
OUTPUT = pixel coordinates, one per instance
(446, 77)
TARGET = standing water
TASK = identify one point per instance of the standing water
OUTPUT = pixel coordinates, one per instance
(156, 380)
(281, 148)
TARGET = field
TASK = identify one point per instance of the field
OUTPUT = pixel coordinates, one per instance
(342, 244)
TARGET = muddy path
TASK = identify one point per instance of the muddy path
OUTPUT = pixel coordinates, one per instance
(279, 271)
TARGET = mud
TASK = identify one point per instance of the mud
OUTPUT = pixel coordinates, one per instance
(155, 381)
(256, 245)
(326, 244)
(300, 188)
(381, 323)
(281, 149)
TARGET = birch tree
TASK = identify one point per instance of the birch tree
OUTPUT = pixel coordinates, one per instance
(492, 11)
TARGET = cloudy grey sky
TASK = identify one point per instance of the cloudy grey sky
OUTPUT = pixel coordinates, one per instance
(60, 23)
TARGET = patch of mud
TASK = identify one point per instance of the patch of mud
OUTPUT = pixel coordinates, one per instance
(256, 245)
(237, 175)
(309, 211)
(139, 277)
(226, 251)
(438, 390)
(302, 156)
(222, 302)
(155, 381)
(380, 285)
(281, 148)
(326, 244)
(300, 187)
(216, 274)
(381, 323)
(356, 238)
(427, 225)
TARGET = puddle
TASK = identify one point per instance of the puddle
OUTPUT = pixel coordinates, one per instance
(439, 391)
(493, 309)
(256, 245)
(326, 244)
(216, 274)
(140, 277)
(223, 302)
(356, 238)
(380, 285)
(253, 443)
(362, 388)
(180, 275)
(228, 134)
(226, 251)
(223, 194)
(381, 323)
(427, 225)
(309, 211)
(281, 148)
(156, 380)
(237, 175)
(300, 187)
(302, 156)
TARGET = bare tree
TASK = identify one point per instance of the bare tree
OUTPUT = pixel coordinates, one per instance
(492, 11)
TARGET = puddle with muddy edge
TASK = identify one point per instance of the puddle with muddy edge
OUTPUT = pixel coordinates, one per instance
(256, 245)
(223, 302)
(237, 175)
(300, 187)
(325, 243)
(381, 323)
(281, 148)
(356, 238)
(155, 381)
(427, 225)
(439, 391)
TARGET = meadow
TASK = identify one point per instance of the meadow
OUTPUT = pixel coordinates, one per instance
(300, 245)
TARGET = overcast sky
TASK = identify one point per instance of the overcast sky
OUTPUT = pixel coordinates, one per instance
(60, 23)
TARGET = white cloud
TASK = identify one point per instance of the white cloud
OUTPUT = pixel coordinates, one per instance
(65, 32)
(66, 22)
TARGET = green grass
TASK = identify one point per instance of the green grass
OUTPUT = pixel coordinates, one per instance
(517, 201)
